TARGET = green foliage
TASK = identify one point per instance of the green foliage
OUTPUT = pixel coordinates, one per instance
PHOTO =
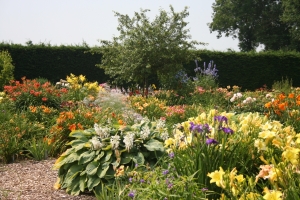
(245, 69)
(99, 155)
(162, 182)
(37, 149)
(145, 48)
(33, 93)
(253, 23)
(285, 85)
(54, 62)
(205, 146)
(6, 68)
(291, 8)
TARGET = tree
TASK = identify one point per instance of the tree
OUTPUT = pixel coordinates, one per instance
(253, 23)
(145, 49)
(291, 16)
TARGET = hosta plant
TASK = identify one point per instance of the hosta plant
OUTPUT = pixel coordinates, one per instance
(98, 155)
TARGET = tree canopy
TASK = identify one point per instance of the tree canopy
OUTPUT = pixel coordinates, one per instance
(147, 48)
(254, 23)
(291, 16)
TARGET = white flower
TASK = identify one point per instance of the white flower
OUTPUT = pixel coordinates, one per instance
(96, 143)
(160, 124)
(232, 99)
(114, 140)
(145, 132)
(128, 140)
(145, 120)
(102, 132)
(249, 100)
(165, 135)
(239, 95)
(269, 95)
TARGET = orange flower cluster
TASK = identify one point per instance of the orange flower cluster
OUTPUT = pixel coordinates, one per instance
(283, 103)
(77, 119)
(44, 109)
(175, 110)
(32, 88)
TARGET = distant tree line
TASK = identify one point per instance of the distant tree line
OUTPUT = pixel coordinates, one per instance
(275, 24)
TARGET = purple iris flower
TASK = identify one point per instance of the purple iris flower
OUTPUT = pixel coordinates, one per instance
(206, 127)
(210, 141)
(199, 128)
(131, 194)
(221, 119)
(227, 130)
(165, 172)
(171, 155)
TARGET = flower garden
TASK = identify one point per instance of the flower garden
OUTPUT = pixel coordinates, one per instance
(199, 141)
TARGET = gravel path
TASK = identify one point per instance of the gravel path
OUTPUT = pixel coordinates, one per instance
(32, 180)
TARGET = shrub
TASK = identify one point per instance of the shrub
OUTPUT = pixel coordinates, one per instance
(6, 68)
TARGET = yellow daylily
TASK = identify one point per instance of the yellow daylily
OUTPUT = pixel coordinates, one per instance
(217, 177)
(272, 195)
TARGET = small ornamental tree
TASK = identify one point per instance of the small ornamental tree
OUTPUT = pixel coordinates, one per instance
(6, 68)
(147, 49)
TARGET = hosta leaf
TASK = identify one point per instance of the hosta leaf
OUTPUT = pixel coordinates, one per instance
(86, 157)
(125, 159)
(99, 156)
(79, 147)
(115, 163)
(59, 162)
(75, 190)
(82, 183)
(74, 187)
(71, 158)
(110, 173)
(108, 155)
(102, 172)
(73, 173)
(92, 182)
(88, 145)
(98, 191)
(78, 141)
(92, 167)
(139, 159)
(82, 173)
(154, 145)
(80, 134)
(67, 152)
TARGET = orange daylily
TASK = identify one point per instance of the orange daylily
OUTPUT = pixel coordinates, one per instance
(281, 96)
(72, 127)
(79, 126)
(291, 95)
(268, 105)
(282, 106)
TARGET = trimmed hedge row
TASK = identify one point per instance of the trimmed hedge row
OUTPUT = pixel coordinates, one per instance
(54, 62)
(249, 70)
(252, 70)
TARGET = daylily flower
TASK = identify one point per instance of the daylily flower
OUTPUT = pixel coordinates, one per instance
(217, 177)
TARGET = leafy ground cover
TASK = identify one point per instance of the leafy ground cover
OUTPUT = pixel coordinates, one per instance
(196, 142)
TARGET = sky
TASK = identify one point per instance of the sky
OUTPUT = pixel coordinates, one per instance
(72, 22)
